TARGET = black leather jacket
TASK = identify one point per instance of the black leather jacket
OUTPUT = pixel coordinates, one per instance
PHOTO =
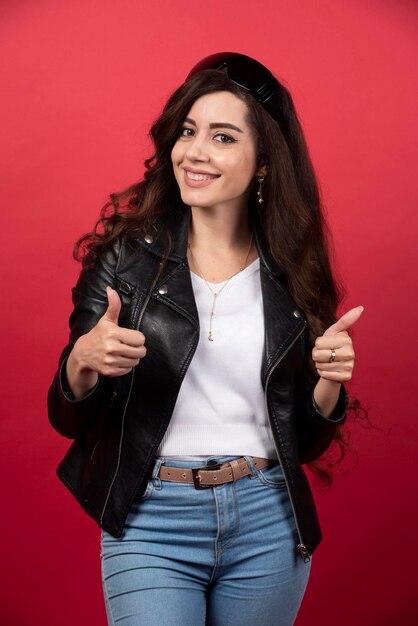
(118, 426)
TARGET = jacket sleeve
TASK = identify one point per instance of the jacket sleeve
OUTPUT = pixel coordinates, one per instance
(315, 431)
(69, 416)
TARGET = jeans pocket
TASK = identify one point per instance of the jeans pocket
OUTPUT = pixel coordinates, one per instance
(272, 476)
(149, 490)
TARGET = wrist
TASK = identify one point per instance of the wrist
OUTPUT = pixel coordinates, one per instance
(80, 378)
(325, 396)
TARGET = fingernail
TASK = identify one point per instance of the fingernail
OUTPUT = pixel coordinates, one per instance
(361, 308)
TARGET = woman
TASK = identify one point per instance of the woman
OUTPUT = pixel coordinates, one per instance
(205, 363)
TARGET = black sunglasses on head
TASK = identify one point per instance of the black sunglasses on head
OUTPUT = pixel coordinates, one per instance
(248, 74)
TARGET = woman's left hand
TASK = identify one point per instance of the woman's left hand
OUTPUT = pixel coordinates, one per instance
(333, 353)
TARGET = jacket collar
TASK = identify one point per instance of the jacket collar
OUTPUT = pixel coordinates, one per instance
(177, 222)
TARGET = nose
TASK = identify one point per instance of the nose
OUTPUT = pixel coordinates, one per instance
(197, 149)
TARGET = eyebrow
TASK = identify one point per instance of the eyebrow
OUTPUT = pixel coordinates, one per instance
(216, 125)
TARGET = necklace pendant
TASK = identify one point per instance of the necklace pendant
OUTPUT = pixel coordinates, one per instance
(215, 294)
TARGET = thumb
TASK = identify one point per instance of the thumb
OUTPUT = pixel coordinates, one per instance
(346, 321)
(115, 305)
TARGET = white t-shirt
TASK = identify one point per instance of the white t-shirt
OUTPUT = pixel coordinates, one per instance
(220, 409)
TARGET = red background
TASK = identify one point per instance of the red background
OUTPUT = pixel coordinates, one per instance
(81, 83)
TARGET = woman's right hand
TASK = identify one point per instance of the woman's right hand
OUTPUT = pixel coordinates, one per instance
(108, 349)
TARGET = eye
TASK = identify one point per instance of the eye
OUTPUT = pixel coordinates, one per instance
(186, 132)
(222, 138)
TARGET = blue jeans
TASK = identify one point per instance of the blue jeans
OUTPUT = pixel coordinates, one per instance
(220, 556)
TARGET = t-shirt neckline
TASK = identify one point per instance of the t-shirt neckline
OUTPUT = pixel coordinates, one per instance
(247, 270)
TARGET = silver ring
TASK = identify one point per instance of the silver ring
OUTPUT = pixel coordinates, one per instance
(332, 359)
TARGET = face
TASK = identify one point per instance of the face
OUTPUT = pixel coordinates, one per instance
(215, 156)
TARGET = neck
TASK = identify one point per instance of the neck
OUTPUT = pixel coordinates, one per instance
(224, 232)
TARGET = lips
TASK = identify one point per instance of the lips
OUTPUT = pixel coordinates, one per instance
(198, 178)
(194, 176)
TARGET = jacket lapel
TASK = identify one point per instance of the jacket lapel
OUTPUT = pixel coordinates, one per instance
(283, 320)
(168, 240)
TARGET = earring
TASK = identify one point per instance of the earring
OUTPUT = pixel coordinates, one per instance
(260, 189)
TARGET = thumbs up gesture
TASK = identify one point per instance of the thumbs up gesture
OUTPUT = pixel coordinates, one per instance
(108, 349)
(333, 353)
(114, 306)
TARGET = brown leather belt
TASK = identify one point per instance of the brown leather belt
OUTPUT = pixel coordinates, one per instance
(211, 475)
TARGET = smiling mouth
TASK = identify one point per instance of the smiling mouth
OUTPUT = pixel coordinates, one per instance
(199, 177)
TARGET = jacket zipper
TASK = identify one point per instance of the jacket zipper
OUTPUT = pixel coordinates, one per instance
(94, 450)
(137, 324)
(301, 545)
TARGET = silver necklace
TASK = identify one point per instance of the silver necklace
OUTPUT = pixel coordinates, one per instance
(215, 294)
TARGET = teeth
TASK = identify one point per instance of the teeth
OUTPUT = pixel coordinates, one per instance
(194, 176)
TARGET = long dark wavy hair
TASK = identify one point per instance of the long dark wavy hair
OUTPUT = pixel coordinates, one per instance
(291, 216)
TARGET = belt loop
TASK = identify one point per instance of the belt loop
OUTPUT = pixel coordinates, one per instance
(249, 460)
(158, 462)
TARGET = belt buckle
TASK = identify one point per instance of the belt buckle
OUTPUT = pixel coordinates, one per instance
(196, 477)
